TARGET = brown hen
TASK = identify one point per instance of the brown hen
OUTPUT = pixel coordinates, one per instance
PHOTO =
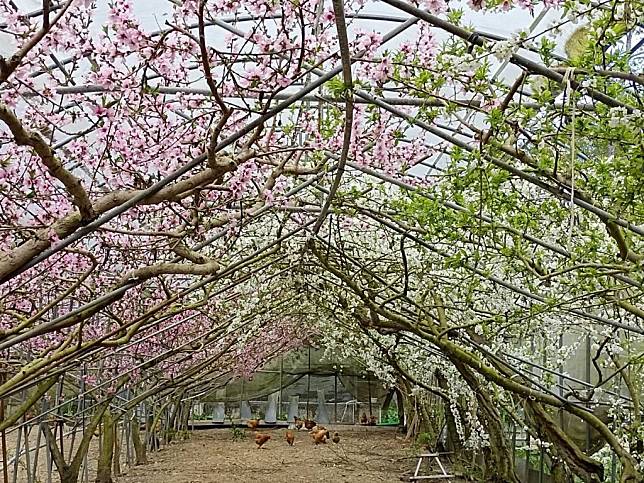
(260, 439)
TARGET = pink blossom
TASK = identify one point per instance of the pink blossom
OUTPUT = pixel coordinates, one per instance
(383, 70)
(368, 42)
(436, 6)
(328, 15)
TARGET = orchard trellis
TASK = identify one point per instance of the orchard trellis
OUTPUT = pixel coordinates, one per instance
(460, 212)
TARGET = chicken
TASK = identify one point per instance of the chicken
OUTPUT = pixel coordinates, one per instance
(309, 424)
(372, 421)
(316, 429)
(290, 437)
(253, 423)
(298, 423)
(260, 439)
(320, 436)
(363, 419)
(336, 438)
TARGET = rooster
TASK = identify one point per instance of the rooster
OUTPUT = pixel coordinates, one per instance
(260, 439)
(336, 438)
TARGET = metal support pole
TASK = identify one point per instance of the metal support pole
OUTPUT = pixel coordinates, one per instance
(48, 458)
(59, 415)
(279, 400)
(356, 407)
(16, 460)
(335, 397)
(514, 443)
(26, 430)
(541, 458)
(588, 381)
(241, 398)
(37, 424)
(308, 384)
(85, 476)
(5, 460)
(369, 392)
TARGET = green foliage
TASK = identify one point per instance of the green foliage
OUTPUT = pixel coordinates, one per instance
(236, 433)
(577, 43)
(337, 87)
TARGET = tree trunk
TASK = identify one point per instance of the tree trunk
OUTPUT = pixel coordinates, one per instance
(582, 465)
(559, 472)
(69, 472)
(104, 471)
(499, 467)
(454, 443)
(186, 420)
(401, 407)
(116, 467)
(173, 424)
(139, 447)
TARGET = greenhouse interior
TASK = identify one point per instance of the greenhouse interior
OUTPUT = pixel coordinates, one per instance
(321, 240)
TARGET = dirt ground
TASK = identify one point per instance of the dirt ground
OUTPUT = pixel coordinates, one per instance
(212, 456)
(364, 454)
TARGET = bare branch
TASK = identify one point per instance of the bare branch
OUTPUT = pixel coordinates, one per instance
(145, 273)
(345, 56)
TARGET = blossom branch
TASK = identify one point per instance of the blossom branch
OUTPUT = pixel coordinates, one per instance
(8, 67)
(23, 137)
(19, 256)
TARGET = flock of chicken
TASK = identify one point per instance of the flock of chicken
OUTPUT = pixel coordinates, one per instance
(319, 433)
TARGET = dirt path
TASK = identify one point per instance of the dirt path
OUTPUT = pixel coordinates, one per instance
(212, 456)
